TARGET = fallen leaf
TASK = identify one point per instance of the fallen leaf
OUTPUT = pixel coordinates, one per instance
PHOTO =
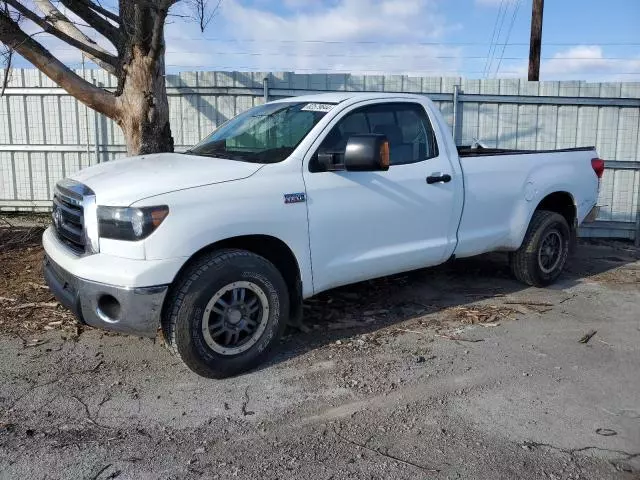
(587, 336)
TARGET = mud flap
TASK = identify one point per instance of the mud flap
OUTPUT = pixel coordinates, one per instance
(573, 241)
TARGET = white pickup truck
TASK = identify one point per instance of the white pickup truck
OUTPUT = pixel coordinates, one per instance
(219, 245)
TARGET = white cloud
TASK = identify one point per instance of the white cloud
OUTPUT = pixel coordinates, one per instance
(582, 62)
(588, 59)
(402, 9)
(346, 20)
(360, 36)
(350, 36)
(302, 3)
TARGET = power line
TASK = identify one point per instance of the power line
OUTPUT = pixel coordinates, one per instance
(371, 71)
(495, 45)
(493, 34)
(347, 55)
(378, 42)
(513, 19)
(351, 55)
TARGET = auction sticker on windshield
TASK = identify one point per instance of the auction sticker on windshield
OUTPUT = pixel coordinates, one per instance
(317, 107)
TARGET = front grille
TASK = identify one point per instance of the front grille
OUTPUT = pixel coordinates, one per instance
(68, 218)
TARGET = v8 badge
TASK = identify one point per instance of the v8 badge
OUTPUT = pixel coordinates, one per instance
(294, 197)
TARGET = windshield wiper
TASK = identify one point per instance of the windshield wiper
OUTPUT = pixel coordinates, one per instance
(272, 155)
(241, 157)
(224, 155)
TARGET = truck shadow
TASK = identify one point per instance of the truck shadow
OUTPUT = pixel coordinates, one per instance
(368, 307)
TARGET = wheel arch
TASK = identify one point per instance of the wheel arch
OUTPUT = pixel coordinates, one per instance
(561, 202)
(273, 249)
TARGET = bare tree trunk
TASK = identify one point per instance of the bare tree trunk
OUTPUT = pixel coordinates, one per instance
(143, 106)
(142, 95)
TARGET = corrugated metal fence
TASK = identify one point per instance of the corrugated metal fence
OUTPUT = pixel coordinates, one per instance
(45, 134)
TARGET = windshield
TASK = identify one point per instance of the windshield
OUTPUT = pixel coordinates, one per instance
(264, 134)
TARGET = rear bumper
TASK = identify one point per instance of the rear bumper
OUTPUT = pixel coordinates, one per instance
(134, 311)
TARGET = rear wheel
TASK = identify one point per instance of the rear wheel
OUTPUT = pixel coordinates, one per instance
(541, 257)
(226, 312)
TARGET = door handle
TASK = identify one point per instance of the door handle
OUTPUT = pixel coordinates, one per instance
(437, 178)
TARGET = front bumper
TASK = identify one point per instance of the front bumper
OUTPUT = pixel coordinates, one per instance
(130, 310)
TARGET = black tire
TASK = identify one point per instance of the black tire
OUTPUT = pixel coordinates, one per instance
(526, 263)
(193, 291)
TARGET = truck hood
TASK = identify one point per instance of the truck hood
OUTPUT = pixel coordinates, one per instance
(125, 181)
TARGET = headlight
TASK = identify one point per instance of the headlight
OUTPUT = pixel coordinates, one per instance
(127, 223)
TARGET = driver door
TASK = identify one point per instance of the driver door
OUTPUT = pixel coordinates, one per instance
(364, 225)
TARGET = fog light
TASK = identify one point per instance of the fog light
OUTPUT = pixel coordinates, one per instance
(109, 307)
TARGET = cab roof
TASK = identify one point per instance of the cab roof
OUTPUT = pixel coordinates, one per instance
(339, 97)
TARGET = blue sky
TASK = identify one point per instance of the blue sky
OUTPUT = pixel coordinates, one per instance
(582, 39)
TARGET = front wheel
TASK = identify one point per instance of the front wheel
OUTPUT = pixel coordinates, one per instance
(225, 313)
(541, 257)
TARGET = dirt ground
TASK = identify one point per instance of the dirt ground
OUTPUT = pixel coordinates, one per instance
(453, 372)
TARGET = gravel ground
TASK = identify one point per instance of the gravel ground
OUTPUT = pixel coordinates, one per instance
(453, 372)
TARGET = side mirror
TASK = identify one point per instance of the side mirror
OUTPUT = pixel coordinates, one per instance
(367, 153)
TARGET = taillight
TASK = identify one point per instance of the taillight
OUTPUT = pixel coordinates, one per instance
(598, 166)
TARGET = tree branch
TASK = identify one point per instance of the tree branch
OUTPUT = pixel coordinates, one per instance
(9, 58)
(103, 11)
(47, 27)
(88, 14)
(7, 71)
(92, 96)
(62, 23)
(202, 15)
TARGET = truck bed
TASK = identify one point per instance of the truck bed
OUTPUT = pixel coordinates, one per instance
(502, 187)
(468, 151)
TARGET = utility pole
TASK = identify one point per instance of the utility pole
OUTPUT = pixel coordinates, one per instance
(535, 44)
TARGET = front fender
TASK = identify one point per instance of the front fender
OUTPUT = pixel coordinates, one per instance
(206, 215)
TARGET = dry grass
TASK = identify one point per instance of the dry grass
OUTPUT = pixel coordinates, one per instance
(26, 305)
(481, 314)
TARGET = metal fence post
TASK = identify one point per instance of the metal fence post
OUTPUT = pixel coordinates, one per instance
(95, 133)
(86, 117)
(454, 130)
(637, 236)
(95, 137)
(265, 88)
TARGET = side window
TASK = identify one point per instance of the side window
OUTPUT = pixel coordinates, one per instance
(406, 126)
(409, 132)
(353, 124)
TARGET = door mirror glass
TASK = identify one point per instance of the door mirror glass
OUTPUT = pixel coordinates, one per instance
(367, 153)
